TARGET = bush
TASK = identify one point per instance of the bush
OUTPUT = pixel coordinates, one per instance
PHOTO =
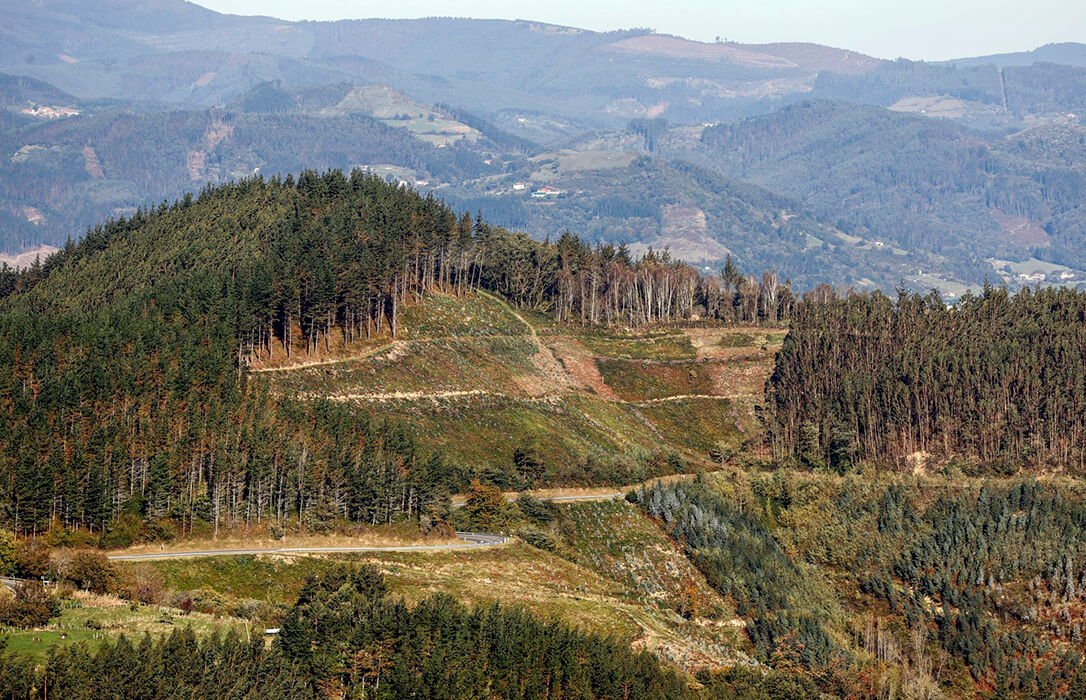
(538, 511)
(538, 539)
(32, 559)
(200, 600)
(89, 570)
(142, 583)
(8, 549)
(31, 606)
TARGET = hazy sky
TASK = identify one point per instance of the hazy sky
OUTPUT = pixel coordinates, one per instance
(917, 29)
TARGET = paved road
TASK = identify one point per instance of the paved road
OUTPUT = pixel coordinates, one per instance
(469, 539)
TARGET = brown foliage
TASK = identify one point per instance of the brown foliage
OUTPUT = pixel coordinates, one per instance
(88, 570)
(31, 606)
(485, 505)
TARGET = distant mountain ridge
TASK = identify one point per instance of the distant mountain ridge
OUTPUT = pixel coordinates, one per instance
(1066, 53)
(172, 97)
(916, 183)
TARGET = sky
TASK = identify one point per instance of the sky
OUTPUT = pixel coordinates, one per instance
(919, 29)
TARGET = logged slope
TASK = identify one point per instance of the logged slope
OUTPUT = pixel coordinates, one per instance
(521, 407)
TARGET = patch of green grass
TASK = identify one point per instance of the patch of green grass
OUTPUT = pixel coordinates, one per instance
(567, 161)
(699, 424)
(751, 340)
(94, 624)
(517, 574)
(470, 315)
(399, 111)
(265, 578)
(666, 347)
(639, 380)
(738, 340)
(484, 430)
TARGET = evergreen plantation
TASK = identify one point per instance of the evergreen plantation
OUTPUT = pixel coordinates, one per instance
(995, 383)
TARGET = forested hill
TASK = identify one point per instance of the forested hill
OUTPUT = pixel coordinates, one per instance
(994, 384)
(124, 358)
(124, 387)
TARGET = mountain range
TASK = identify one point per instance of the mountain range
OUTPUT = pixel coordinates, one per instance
(824, 163)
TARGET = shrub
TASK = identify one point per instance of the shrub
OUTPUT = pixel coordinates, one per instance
(536, 510)
(142, 583)
(8, 549)
(538, 539)
(32, 559)
(31, 606)
(89, 570)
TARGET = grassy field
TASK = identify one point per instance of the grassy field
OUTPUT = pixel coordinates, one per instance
(470, 315)
(741, 339)
(484, 430)
(550, 166)
(672, 346)
(702, 424)
(638, 380)
(92, 619)
(573, 589)
(265, 578)
(400, 111)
